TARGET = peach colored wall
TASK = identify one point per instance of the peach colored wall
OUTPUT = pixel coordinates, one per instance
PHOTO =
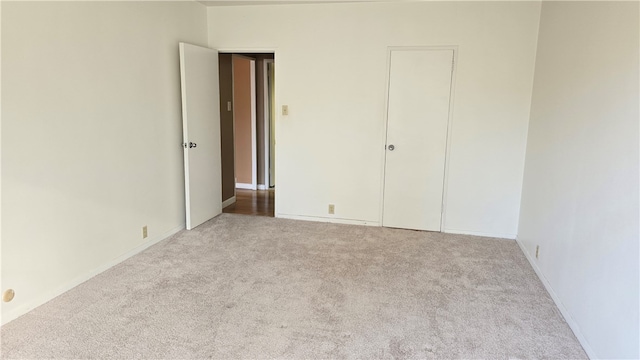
(242, 118)
(260, 117)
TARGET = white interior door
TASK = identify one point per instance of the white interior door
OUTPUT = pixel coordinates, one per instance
(272, 128)
(417, 118)
(201, 133)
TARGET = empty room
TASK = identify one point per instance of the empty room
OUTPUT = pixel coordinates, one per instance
(455, 180)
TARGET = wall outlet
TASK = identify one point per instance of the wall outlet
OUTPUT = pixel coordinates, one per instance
(144, 232)
(228, 105)
(285, 110)
(332, 209)
(537, 250)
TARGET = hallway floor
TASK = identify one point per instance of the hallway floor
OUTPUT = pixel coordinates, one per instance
(253, 202)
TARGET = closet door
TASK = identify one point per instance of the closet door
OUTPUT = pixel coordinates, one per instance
(417, 118)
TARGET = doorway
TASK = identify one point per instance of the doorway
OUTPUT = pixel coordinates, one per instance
(247, 126)
(419, 100)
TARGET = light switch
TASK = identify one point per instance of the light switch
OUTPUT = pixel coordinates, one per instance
(228, 105)
(285, 110)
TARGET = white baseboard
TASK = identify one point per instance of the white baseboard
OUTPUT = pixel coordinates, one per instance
(245, 186)
(563, 310)
(229, 201)
(377, 223)
(328, 219)
(262, 187)
(479, 233)
(25, 308)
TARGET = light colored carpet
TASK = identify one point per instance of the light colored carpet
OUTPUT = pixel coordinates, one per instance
(253, 287)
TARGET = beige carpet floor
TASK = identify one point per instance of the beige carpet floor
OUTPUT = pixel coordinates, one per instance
(242, 287)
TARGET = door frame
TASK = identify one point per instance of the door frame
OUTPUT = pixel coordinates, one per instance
(447, 154)
(254, 137)
(267, 121)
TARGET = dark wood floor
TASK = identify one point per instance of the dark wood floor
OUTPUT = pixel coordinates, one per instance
(250, 202)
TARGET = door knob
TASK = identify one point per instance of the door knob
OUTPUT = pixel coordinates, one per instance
(391, 147)
(192, 145)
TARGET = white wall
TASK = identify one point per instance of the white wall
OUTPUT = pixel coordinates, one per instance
(331, 65)
(91, 133)
(580, 195)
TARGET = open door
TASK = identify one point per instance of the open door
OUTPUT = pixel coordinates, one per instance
(201, 133)
(272, 128)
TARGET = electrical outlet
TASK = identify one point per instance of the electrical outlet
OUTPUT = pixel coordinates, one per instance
(144, 232)
(537, 250)
(228, 105)
(332, 209)
(285, 110)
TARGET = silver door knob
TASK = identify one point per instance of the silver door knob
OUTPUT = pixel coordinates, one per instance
(391, 147)
(192, 145)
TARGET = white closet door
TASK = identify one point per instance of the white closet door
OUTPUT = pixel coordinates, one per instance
(418, 113)
(201, 133)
